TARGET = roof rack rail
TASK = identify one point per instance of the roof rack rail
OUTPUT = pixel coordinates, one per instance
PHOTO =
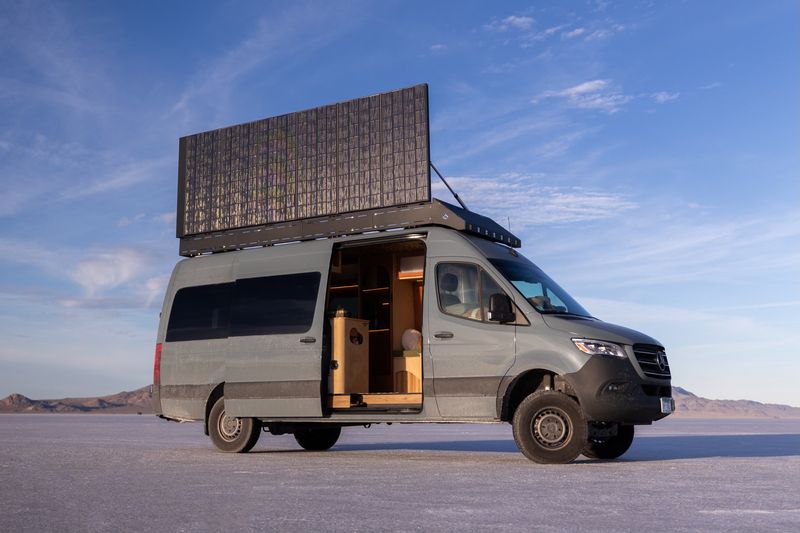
(433, 213)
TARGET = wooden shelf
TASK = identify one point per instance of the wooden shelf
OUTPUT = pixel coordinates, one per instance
(384, 330)
(376, 289)
(343, 287)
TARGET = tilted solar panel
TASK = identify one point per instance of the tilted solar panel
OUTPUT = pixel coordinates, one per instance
(367, 153)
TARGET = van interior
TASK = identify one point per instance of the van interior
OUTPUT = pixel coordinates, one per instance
(374, 307)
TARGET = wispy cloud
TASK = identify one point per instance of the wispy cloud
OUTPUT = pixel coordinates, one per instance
(122, 177)
(699, 343)
(574, 33)
(661, 250)
(664, 96)
(438, 48)
(298, 30)
(62, 98)
(166, 218)
(155, 288)
(15, 196)
(64, 69)
(494, 133)
(535, 37)
(512, 22)
(769, 305)
(39, 168)
(559, 145)
(597, 30)
(530, 203)
(127, 221)
(597, 95)
(113, 277)
(709, 86)
(107, 270)
(46, 259)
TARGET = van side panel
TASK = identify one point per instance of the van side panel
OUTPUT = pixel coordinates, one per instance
(191, 369)
(279, 375)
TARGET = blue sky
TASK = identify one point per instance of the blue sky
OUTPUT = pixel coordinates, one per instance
(648, 154)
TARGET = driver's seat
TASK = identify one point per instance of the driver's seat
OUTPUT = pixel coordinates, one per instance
(448, 285)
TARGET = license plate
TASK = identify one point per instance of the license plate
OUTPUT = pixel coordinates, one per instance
(667, 405)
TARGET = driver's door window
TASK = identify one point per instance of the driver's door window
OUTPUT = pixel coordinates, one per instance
(458, 290)
(465, 290)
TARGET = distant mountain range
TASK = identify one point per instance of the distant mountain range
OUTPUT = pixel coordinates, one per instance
(137, 401)
(687, 405)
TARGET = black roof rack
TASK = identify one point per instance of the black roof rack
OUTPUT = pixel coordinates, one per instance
(433, 213)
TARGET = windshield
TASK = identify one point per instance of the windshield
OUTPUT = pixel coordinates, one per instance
(543, 293)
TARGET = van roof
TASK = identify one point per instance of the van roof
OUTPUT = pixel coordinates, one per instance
(433, 213)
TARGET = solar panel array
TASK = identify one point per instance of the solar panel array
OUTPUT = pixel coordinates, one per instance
(367, 153)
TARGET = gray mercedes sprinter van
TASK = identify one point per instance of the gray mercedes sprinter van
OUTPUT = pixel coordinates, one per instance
(326, 288)
(427, 324)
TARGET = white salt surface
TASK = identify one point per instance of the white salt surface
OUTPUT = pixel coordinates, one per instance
(133, 473)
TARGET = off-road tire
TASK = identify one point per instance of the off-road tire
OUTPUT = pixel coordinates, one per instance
(230, 434)
(549, 428)
(317, 439)
(610, 447)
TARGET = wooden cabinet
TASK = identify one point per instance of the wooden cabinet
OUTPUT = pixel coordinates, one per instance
(351, 355)
(407, 371)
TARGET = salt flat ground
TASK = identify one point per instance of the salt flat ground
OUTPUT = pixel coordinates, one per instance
(128, 473)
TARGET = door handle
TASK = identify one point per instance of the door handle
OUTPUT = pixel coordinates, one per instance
(308, 340)
(443, 335)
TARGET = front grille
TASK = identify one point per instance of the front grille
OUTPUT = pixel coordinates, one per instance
(657, 391)
(653, 360)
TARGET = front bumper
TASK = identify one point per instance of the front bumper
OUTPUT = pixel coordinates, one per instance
(610, 389)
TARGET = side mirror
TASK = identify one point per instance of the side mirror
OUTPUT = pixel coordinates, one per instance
(500, 309)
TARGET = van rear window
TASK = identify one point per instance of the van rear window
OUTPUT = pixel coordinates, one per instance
(200, 313)
(274, 305)
(254, 306)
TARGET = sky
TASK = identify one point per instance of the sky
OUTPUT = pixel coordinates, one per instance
(647, 153)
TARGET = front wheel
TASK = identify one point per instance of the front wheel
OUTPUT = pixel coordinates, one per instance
(610, 447)
(229, 433)
(317, 439)
(549, 428)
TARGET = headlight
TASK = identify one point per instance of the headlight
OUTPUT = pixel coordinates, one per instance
(595, 347)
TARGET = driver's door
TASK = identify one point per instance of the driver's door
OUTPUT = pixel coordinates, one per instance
(470, 354)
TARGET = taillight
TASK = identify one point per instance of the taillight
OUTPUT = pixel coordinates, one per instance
(157, 366)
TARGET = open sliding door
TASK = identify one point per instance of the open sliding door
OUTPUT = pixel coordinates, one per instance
(274, 360)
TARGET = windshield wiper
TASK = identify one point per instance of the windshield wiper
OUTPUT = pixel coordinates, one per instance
(557, 312)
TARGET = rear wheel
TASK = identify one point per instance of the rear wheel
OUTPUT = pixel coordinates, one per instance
(549, 427)
(610, 447)
(317, 439)
(229, 433)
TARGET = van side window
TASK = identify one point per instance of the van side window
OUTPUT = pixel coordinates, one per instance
(254, 306)
(465, 289)
(274, 304)
(458, 290)
(200, 313)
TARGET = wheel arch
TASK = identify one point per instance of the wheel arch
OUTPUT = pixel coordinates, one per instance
(525, 383)
(216, 394)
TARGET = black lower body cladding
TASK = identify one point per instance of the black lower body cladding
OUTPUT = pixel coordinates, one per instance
(610, 390)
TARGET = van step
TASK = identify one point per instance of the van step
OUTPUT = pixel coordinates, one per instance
(377, 399)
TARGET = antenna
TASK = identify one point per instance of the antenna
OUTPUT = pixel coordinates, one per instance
(449, 188)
